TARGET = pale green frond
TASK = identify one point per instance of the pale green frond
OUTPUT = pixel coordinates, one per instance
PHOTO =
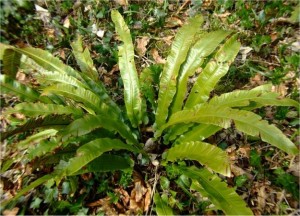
(90, 151)
(215, 69)
(12, 87)
(36, 138)
(41, 149)
(81, 95)
(11, 62)
(83, 59)
(33, 185)
(205, 153)
(201, 49)
(149, 78)
(3, 47)
(132, 96)
(99, 89)
(161, 207)
(218, 192)
(261, 95)
(168, 80)
(37, 109)
(106, 163)
(49, 121)
(51, 77)
(176, 130)
(48, 61)
(89, 123)
(244, 121)
(198, 133)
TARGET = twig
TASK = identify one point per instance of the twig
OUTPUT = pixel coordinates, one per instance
(156, 177)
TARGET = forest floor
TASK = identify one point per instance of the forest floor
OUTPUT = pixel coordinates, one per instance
(265, 177)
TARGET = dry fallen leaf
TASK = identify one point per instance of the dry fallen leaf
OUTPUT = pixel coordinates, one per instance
(257, 80)
(122, 2)
(141, 45)
(157, 58)
(66, 22)
(244, 52)
(11, 212)
(281, 89)
(172, 22)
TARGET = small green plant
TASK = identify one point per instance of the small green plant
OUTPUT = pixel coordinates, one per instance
(77, 127)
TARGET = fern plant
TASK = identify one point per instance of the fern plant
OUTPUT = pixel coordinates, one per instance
(71, 111)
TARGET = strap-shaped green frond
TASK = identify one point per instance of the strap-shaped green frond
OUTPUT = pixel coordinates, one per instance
(201, 49)
(51, 77)
(99, 89)
(149, 78)
(223, 197)
(33, 185)
(47, 61)
(106, 163)
(132, 96)
(84, 59)
(198, 133)
(175, 131)
(37, 109)
(205, 153)
(244, 121)
(36, 138)
(168, 80)
(11, 62)
(89, 123)
(41, 149)
(50, 121)
(80, 95)
(161, 207)
(90, 151)
(261, 95)
(213, 72)
(12, 87)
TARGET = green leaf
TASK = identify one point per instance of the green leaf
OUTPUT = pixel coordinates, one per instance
(213, 72)
(132, 96)
(41, 149)
(52, 77)
(107, 162)
(217, 191)
(179, 50)
(90, 151)
(198, 133)
(37, 109)
(47, 61)
(84, 59)
(89, 123)
(203, 153)
(81, 95)
(51, 121)
(161, 207)
(36, 138)
(261, 95)
(33, 185)
(164, 183)
(12, 87)
(11, 62)
(99, 89)
(149, 77)
(201, 49)
(244, 121)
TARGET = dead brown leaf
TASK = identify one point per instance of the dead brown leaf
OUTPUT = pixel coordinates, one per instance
(66, 23)
(122, 2)
(257, 80)
(172, 22)
(281, 89)
(261, 197)
(168, 40)
(157, 58)
(141, 45)
(11, 212)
